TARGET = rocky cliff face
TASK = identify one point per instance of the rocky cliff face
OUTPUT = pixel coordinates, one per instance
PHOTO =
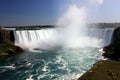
(6, 36)
(1, 37)
(12, 37)
(112, 51)
(116, 37)
(7, 46)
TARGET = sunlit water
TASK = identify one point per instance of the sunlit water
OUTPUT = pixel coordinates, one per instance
(64, 64)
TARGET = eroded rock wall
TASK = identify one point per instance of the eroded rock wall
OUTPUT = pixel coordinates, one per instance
(6, 36)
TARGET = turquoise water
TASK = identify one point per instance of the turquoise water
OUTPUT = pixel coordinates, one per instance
(63, 64)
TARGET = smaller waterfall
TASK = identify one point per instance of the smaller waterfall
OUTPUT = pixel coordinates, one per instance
(104, 35)
(50, 38)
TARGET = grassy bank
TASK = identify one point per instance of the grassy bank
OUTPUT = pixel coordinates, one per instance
(103, 70)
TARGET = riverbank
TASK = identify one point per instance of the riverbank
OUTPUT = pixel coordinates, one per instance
(103, 70)
(8, 49)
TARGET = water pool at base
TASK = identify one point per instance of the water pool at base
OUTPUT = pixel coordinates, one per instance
(63, 64)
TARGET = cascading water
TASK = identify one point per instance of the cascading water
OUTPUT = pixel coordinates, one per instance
(102, 35)
(48, 38)
(31, 39)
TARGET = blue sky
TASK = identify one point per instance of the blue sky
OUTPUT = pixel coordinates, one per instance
(109, 11)
(37, 12)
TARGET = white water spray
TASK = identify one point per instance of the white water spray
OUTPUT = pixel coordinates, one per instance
(74, 26)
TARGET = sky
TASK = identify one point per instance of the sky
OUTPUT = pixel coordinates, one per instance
(44, 12)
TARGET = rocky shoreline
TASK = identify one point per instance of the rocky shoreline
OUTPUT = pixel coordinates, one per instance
(7, 47)
(103, 70)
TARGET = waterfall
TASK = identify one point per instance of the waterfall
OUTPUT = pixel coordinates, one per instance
(49, 38)
(104, 35)
(44, 38)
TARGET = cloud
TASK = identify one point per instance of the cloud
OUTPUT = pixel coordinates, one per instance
(100, 1)
(96, 2)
